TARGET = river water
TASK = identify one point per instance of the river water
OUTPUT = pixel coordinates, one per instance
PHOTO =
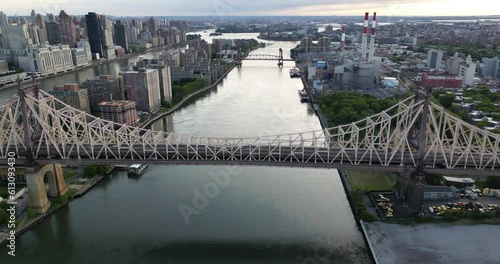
(211, 214)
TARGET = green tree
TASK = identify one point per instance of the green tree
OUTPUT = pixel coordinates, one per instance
(446, 100)
(4, 217)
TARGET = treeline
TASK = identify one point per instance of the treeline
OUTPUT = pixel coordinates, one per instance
(347, 107)
(485, 100)
(184, 87)
(193, 37)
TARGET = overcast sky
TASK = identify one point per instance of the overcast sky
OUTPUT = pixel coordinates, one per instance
(255, 7)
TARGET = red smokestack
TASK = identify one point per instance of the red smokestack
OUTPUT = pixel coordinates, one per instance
(374, 25)
(364, 42)
(365, 30)
(372, 39)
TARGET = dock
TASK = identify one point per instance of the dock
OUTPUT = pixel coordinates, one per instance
(87, 186)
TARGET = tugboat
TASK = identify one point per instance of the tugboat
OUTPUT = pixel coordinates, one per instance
(304, 97)
(294, 73)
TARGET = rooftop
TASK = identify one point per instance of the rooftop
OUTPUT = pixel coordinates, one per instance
(116, 103)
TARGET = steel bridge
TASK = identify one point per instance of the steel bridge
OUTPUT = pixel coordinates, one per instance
(413, 134)
(265, 57)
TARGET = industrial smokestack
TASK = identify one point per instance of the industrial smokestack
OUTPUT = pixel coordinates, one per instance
(365, 38)
(372, 38)
(342, 40)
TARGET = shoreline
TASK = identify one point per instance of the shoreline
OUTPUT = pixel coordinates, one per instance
(344, 178)
(176, 107)
(98, 63)
(38, 219)
(180, 104)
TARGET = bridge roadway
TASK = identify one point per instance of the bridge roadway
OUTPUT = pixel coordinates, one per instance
(254, 155)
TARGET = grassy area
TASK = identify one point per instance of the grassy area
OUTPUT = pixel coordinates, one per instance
(69, 173)
(4, 191)
(371, 180)
(61, 200)
(361, 207)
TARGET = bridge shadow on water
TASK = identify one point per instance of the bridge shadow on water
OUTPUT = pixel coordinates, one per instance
(253, 252)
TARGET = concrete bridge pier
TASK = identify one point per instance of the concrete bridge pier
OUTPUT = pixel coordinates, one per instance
(36, 185)
(410, 187)
(415, 199)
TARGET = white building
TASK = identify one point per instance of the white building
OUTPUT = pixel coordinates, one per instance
(85, 46)
(109, 47)
(16, 37)
(453, 64)
(79, 57)
(467, 71)
(47, 59)
(143, 87)
(435, 59)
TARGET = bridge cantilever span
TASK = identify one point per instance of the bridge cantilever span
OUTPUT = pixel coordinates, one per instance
(387, 141)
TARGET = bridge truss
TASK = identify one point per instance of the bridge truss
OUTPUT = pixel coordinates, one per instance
(37, 126)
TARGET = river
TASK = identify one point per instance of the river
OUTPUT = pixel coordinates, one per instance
(212, 214)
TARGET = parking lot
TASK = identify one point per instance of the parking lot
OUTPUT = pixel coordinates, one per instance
(482, 202)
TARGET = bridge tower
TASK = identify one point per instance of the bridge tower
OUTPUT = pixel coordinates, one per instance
(411, 185)
(280, 58)
(35, 174)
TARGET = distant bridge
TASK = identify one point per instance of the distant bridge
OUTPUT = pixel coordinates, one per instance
(265, 57)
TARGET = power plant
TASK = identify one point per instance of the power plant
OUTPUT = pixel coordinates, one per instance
(354, 69)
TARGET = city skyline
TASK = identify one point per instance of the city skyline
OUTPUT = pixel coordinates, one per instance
(258, 7)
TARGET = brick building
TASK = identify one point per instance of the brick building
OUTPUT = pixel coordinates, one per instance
(122, 112)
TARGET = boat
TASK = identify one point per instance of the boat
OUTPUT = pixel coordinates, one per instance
(215, 34)
(304, 97)
(137, 169)
(294, 73)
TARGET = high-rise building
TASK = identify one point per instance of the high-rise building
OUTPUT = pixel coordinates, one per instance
(33, 15)
(108, 46)
(434, 59)
(94, 33)
(143, 87)
(72, 95)
(490, 67)
(122, 112)
(132, 33)
(67, 29)
(121, 35)
(4, 20)
(324, 44)
(153, 26)
(467, 72)
(453, 64)
(16, 37)
(306, 44)
(53, 33)
(40, 22)
(104, 88)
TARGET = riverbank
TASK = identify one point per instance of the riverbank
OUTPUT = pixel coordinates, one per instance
(54, 207)
(88, 185)
(174, 108)
(100, 63)
(434, 243)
